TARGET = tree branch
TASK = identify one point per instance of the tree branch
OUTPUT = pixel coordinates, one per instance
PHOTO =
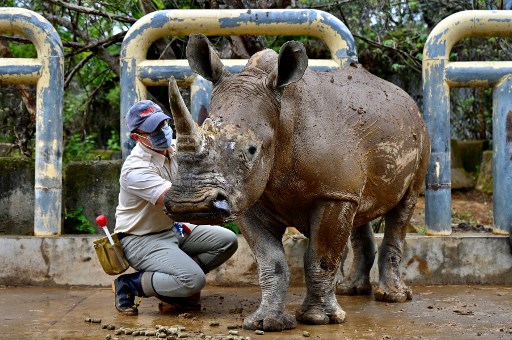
(88, 10)
(97, 43)
(329, 6)
(75, 69)
(98, 47)
(416, 63)
(91, 44)
(112, 61)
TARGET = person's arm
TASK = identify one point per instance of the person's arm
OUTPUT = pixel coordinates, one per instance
(146, 183)
(160, 200)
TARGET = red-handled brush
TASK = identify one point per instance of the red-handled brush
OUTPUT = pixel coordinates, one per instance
(102, 222)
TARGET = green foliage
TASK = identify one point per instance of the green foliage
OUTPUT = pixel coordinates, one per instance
(188, 4)
(5, 139)
(471, 116)
(23, 50)
(75, 222)
(233, 227)
(315, 48)
(463, 216)
(78, 147)
(114, 141)
(73, 106)
(397, 67)
(114, 97)
(420, 229)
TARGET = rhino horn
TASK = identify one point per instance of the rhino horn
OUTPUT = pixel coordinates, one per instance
(189, 137)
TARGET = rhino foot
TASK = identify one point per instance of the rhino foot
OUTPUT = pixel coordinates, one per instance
(274, 321)
(353, 288)
(400, 294)
(320, 316)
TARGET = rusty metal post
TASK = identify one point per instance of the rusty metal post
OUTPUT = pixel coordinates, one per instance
(137, 72)
(47, 71)
(439, 75)
(502, 156)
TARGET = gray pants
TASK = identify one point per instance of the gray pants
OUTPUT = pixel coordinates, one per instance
(176, 264)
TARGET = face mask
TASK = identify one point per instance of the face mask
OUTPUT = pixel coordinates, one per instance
(162, 140)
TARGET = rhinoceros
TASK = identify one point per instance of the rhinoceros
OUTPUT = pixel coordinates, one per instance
(287, 146)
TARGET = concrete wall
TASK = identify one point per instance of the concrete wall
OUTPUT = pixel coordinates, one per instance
(92, 186)
(71, 260)
(16, 196)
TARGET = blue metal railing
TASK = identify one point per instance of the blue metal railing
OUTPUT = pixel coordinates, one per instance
(47, 71)
(439, 75)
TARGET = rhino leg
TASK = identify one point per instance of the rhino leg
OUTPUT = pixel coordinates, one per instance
(357, 281)
(264, 235)
(391, 288)
(330, 227)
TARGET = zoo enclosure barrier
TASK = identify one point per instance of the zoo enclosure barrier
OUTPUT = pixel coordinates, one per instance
(439, 75)
(47, 72)
(137, 72)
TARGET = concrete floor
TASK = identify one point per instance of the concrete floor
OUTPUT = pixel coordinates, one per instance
(436, 312)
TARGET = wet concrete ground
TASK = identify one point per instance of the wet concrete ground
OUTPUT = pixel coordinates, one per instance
(436, 312)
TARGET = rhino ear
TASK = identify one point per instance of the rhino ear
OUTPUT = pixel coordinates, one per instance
(203, 59)
(291, 65)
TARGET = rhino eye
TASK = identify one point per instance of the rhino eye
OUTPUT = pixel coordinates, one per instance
(252, 149)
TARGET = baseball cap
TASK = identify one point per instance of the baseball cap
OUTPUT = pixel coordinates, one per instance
(145, 115)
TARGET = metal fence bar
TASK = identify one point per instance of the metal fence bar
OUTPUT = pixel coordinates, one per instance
(476, 73)
(137, 72)
(47, 71)
(436, 99)
(19, 71)
(502, 156)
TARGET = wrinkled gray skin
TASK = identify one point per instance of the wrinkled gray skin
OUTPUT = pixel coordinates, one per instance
(325, 153)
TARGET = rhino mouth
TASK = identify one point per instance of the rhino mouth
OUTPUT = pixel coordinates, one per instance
(220, 213)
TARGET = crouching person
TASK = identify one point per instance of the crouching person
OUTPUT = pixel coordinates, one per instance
(171, 259)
